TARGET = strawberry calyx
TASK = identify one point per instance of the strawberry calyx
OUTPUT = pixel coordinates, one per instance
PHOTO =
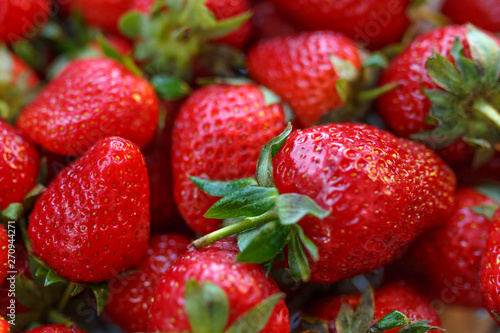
(207, 308)
(492, 191)
(266, 221)
(468, 103)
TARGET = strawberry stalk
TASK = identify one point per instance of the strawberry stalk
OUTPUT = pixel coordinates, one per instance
(66, 296)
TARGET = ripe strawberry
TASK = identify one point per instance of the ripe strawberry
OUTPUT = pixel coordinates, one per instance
(56, 329)
(4, 254)
(374, 23)
(490, 269)
(93, 220)
(21, 19)
(396, 296)
(19, 164)
(448, 258)
(218, 134)
(209, 279)
(304, 70)
(343, 168)
(483, 13)
(268, 22)
(131, 295)
(447, 108)
(92, 99)
(4, 326)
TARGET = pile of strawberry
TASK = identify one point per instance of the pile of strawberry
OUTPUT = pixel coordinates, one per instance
(224, 166)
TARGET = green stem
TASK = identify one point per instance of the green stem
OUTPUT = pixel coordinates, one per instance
(233, 229)
(372, 94)
(487, 110)
(57, 318)
(67, 295)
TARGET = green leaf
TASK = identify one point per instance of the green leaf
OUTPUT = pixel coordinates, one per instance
(307, 243)
(52, 277)
(297, 259)
(13, 212)
(420, 326)
(344, 68)
(254, 320)
(227, 26)
(131, 24)
(485, 53)
(170, 88)
(376, 59)
(101, 292)
(112, 53)
(292, 207)
(207, 307)
(344, 320)
(245, 238)
(496, 315)
(343, 88)
(30, 199)
(466, 66)
(487, 211)
(442, 136)
(42, 271)
(313, 325)
(491, 190)
(222, 188)
(364, 311)
(446, 75)
(27, 293)
(249, 201)
(266, 243)
(265, 164)
(390, 321)
(443, 99)
(78, 289)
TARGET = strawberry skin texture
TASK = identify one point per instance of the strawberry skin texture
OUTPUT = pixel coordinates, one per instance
(19, 164)
(374, 23)
(396, 296)
(22, 18)
(90, 100)
(218, 134)
(4, 326)
(482, 13)
(299, 70)
(246, 285)
(56, 329)
(382, 192)
(130, 298)
(93, 220)
(449, 257)
(490, 269)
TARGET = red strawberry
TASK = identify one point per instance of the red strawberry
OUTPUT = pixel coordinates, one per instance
(381, 192)
(268, 22)
(448, 258)
(235, 287)
(304, 70)
(490, 269)
(443, 98)
(397, 296)
(4, 326)
(92, 99)
(218, 134)
(483, 13)
(56, 329)
(131, 295)
(22, 19)
(19, 164)
(374, 23)
(93, 220)
(4, 254)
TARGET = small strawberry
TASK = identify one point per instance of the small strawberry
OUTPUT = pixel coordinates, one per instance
(56, 329)
(207, 288)
(4, 326)
(305, 70)
(93, 219)
(490, 269)
(92, 99)
(483, 13)
(132, 294)
(19, 164)
(218, 134)
(21, 19)
(397, 296)
(369, 193)
(446, 94)
(268, 22)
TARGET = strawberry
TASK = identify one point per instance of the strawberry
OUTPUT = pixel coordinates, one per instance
(56, 329)
(21, 19)
(93, 219)
(448, 258)
(374, 23)
(207, 287)
(445, 95)
(483, 13)
(19, 164)
(305, 70)
(131, 295)
(268, 22)
(4, 326)
(218, 134)
(365, 189)
(396, 296)
(90, 100)
(490, 269)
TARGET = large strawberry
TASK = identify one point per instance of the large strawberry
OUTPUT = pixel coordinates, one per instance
(374, 23)
(447, 93)
(56, 329)
(305, 70)
(490, 269)
(19, 164)
(22, 19)
(369, 192)
(218, 134)
(131, 294)
(207, 288)
(483, 13)
(90, 100)
(93, 220)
